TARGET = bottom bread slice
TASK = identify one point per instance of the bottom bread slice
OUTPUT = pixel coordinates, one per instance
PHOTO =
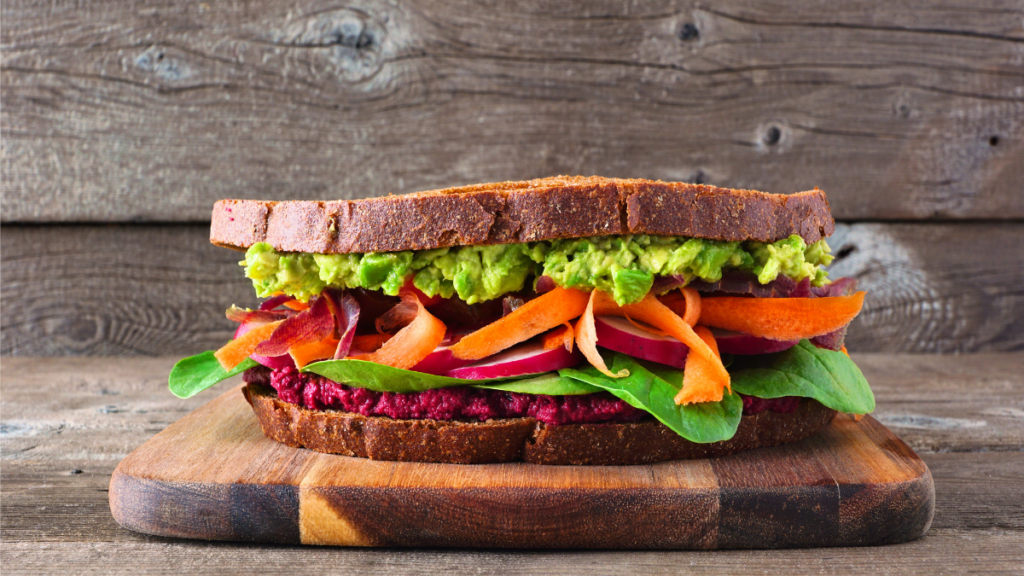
(514, 439)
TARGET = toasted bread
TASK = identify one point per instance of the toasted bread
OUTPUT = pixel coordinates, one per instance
(525, 211)
(513, 439)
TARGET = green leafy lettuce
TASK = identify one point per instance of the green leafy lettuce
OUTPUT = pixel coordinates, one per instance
(806, 371)
(653, 388)
(194, 374)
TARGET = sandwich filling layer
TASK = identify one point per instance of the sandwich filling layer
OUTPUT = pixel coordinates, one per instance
(623, 266)
(692, 333)
(469, 404)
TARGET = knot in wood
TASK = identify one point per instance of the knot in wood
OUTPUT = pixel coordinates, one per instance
(688, 32)
(345, 42)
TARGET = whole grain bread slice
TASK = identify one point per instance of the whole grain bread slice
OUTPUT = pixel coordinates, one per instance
(513, 439)
(524, 211)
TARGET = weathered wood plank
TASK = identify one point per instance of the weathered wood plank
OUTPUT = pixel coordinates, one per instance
(941, 552)
(131, 290)
(152, 111)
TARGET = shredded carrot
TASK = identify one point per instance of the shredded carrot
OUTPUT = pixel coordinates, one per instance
(653, 312)
(781, 318)
(295, 305)
(586, 338)
(699, 375)
(561, 336)
(710, 377)
(532, 318)
(232, 353)
(843, 350)
(856, 417)
(370, 342)
(645, 327)
(414, 342)
(685, 302)
(306, 353)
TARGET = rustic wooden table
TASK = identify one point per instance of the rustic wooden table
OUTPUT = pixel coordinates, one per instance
(66, 423)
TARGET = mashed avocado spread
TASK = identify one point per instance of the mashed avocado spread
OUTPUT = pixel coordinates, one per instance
(624, 266)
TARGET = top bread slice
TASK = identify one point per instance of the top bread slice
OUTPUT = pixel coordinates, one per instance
(524, 211)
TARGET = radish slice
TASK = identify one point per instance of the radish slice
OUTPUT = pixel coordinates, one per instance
(619, 334)
(272, 362)
(746, 345)
(520, 360)
(440, 361)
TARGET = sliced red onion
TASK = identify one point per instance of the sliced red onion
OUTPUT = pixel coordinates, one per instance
(310, 325)
(455, 313)
(520, 360)
(401, 315)
(619, 334)
(510, 303)
(544, 284)
(272, 362)
(440, 361)
(236, 314)
(745, 344)
(275, 301)
(839, 287)
(346, 315)
(831, 341)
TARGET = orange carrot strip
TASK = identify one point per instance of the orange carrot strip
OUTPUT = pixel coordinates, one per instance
(313, 351)
(295, 305)
(586, 338)
(535, 317)
(685, 303)
(645, 327)
(370, 342)
(653, 312)
(410, 344)
(561, 336)
(232, 353)
(843, 350)
(781, 318)
(700, 376)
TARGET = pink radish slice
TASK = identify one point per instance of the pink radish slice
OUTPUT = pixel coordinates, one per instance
(520, 360)
(621, 335)
(745, 344)
(439, 361)
(272, 362)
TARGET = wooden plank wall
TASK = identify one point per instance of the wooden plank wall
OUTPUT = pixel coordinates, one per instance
(123, 122)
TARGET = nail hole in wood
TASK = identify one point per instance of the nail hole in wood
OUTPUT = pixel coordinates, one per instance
(772, 136)
(700, 177)
(688, 32)
(993, 141)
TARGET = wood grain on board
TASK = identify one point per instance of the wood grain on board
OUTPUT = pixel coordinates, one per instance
(151, 111)
(66, 423)
(213, 475)
(135, 290)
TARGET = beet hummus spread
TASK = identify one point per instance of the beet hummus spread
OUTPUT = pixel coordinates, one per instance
(463, 403)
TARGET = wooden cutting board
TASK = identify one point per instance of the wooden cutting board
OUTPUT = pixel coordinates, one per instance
(213, 475)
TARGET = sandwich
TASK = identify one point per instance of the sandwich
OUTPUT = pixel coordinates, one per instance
(565, 320)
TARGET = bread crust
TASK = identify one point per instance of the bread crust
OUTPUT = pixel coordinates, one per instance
(513, 439)
(524, 211)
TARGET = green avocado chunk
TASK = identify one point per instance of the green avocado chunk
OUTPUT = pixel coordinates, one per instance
(623, 266)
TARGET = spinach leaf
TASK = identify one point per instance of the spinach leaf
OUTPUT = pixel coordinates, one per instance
(808, 371)
(653, 389)
(550, 384)
(194, 374)
(380, 378)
